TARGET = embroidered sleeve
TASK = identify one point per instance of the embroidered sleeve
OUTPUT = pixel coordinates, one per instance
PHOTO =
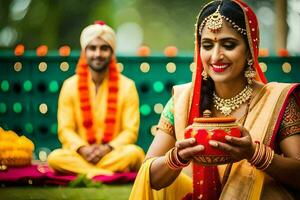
(290, 124)
(166, 121)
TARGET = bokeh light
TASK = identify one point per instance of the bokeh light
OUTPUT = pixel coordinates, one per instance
(145, 109)
(171, 67)
(4, 86)
(17, 107)
(27, 85)
(64, 66)
(286, 67)
(53, 86)
(263, 66)
(18, 66)
(158, 108)
(145, 67)
(158, 86)
(43, 108)
(42, 67)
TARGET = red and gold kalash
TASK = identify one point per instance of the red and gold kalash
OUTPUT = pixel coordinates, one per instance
(208, 128)
(15, 151)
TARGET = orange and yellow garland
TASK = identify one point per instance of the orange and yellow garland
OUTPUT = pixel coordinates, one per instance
(85, 104)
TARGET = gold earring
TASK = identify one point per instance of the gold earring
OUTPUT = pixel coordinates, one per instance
(250, 72)
(204, 75)
(249, 62)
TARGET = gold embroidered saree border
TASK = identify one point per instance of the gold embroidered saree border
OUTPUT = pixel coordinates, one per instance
(166, 126)
(276, 115)
(290, 124)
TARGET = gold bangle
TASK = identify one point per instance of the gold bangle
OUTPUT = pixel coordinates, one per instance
(268, 160)
(263, 157)
(260, 155)
(178, 160)
(169, 160)
(264, 160)
(172, 160)
(255, 152)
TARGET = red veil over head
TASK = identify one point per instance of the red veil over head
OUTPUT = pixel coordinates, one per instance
(205, 179)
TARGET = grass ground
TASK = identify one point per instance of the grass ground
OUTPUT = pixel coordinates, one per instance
(105, 192)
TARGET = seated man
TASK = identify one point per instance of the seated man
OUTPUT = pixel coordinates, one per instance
(98, 112)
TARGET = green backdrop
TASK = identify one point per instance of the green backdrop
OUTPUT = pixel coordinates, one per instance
(29, 88)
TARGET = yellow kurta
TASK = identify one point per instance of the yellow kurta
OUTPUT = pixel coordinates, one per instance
(72, 134)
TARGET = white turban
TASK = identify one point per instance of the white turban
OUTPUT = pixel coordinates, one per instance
(101, 30)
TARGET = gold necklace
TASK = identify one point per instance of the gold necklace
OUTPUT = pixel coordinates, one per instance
(227, 106)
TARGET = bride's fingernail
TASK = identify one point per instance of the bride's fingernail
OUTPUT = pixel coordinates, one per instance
(213, 143)
(192, 140)
(227, 137)
(200, 147)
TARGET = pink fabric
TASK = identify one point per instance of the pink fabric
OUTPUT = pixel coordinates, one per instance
(44, 175)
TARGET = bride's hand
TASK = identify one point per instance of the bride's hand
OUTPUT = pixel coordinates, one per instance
(237, 148)
(188, 148)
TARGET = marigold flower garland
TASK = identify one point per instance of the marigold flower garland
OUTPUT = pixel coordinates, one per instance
(85, 104)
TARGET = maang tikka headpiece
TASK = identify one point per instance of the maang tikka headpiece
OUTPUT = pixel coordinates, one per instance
(215, 21)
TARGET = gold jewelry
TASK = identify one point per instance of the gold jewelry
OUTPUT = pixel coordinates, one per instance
(262, 157)
(256, 152)
(268, 158)
(226, 106)
(204, 75)
(250, 62)
(172, 160)
(250, 72)
(207, 113)
(215, 21)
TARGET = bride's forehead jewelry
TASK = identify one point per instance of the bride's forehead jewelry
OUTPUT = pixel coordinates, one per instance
(214, 23)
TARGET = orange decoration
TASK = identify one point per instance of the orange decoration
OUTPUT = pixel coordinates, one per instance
(64, 50)
(263, 52)
(19, 50)
(144, 51)
(85, 106)
(215, 120)
(283, 52)
(42, 50)
(171, 51)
